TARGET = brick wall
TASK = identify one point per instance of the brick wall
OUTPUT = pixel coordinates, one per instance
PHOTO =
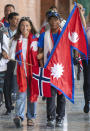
(36, 9)
(62, 5)
(63, 8)
(29, 8)
(45, 5)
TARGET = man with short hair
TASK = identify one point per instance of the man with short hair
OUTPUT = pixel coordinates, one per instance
(7, 10)
(13, 19)
(47, 41)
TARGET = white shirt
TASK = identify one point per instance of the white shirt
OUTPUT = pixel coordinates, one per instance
(6, 41)
(3, 62)
(24, 50)
(11, 33)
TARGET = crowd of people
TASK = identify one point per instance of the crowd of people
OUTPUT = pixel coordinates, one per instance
(16, 36)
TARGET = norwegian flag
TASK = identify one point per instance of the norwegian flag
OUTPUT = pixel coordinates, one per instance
(60, 61)
(40, 83)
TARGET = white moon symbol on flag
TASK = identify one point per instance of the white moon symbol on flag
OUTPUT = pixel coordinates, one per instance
(34, 46)
(73, 37)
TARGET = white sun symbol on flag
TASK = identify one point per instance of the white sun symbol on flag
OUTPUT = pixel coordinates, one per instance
(57, 70)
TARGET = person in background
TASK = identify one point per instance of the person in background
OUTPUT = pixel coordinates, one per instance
(7, 10)
(86, 67)
(9, 87)
(86, 73)
(3, 62)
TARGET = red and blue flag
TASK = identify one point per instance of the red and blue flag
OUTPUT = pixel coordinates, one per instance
(60, 61)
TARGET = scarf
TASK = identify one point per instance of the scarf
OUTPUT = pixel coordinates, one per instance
(21, 75)
(3, 19)
(48, 46)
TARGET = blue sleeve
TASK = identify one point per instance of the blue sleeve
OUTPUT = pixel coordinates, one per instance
(41, 40)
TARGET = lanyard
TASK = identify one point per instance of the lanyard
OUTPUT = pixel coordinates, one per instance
(9, 34)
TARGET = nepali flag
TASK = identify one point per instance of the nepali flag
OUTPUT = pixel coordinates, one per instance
(60, 61)
(18, 57)
(40, 83)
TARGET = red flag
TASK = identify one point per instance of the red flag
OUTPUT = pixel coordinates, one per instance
(21, 76)
(60, 61)
(40, 83)
(3, 20)
(32, 57)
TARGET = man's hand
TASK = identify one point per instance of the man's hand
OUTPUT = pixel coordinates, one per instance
(40, 56)
(82, 10)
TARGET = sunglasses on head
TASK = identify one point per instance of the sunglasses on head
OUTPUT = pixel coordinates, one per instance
(25, 18)
(53, 13)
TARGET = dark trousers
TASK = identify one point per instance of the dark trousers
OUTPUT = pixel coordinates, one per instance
(86, 85)
(52, 109)
(8, 85)
(2, 77)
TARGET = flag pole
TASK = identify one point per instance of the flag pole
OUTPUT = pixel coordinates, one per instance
(19, 61)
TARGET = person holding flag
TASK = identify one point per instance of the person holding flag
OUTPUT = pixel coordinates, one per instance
(47, 41)
(24, 43)
(45, 27)
(85, 65)
(51, 36)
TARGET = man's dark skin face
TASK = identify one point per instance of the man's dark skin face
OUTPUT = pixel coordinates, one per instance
(14, 21)
(54, 24)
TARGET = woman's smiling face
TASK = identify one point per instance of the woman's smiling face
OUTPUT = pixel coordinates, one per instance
(25, 28)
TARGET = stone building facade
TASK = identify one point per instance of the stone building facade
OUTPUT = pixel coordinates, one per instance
(36, 9)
